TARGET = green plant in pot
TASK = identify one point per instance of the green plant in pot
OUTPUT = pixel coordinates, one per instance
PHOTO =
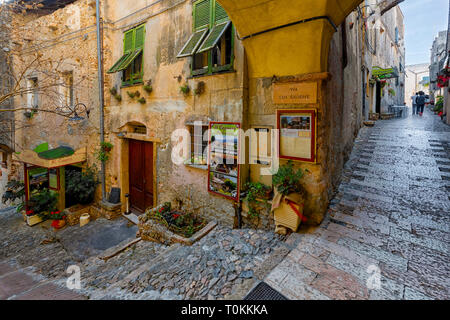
(103, 153)
(82, 185)
(43, 202)
(287, 179)
(256, 191)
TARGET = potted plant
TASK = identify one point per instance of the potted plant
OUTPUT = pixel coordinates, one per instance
(82, 185)
(185, 89)
(39, 206)
(58, 219)
(256, 191)
(103, 153)
(289, 197)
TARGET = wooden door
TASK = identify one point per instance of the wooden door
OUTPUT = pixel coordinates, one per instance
(141, 175)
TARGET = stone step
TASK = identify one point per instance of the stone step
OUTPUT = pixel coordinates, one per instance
(132, 218)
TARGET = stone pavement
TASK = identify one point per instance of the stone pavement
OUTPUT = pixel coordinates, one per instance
(387, 233)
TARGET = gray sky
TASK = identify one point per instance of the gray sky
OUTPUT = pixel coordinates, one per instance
(423, 20)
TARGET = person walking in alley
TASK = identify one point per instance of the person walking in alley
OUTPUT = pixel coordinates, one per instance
(414, 103)
(420, 101)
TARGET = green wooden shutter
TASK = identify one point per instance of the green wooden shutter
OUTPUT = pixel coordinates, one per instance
(193, 43)
(214, 36)
(128, 44)
(219, 13)
(202, 14)
(139, 37)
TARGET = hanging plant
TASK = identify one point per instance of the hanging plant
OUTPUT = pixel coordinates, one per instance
(185, 89)
(131, 94)
(200, 88)
(103, 153)
(148, 86)
(443, 81)
(118, 97)
(142, 100)
(113, 91)
(137, 94)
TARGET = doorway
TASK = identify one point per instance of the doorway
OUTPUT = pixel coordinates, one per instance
(378, 98)
(141, 175)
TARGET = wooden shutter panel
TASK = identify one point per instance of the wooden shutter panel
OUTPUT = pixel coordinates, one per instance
(202, 14)
(139, 37)
(128, 44)
(220, 13)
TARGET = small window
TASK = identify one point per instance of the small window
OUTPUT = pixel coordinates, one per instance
(131, 62)
(67, 89)
(33, 92)
(198, 144)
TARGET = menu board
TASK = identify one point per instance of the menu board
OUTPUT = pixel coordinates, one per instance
(297, 139)
(223, 159)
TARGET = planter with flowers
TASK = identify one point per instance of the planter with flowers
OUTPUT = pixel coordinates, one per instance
(39, 206)
(165, 225)
(59, 219)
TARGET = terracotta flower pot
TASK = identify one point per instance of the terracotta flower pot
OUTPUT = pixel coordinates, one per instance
(58, 224)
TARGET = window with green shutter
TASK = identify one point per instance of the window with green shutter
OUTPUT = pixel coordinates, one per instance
(212, 42)
(131, 62)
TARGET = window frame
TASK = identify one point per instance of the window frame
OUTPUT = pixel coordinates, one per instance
(135, 78)
(211, 69)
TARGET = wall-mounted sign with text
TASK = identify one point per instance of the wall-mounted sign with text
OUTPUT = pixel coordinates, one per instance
(295, 93)
(297, 138)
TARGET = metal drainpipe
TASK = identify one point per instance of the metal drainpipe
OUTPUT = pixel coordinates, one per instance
(100, 93)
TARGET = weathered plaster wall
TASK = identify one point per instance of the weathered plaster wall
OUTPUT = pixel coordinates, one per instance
(65, 41)
(168, 26)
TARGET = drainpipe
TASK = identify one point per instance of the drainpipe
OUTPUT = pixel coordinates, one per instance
(100, 93)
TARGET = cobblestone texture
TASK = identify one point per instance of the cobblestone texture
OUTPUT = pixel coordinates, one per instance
(391, 212)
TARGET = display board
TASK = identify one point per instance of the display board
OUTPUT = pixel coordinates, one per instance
(223, 159)
(297, 134)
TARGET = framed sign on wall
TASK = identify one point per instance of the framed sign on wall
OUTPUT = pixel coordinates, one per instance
(223, 164)
(297, 134)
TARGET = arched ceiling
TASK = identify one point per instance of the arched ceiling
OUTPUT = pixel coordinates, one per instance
(276, 43)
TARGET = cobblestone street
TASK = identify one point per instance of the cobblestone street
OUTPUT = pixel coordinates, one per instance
(390, 217)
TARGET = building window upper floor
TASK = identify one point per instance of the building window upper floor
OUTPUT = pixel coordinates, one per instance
(32, 92)
(131, 63)
(211, 45)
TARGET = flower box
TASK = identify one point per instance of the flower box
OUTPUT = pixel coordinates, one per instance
(34, 220)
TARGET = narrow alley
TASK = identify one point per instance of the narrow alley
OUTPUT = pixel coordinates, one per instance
(391, 215)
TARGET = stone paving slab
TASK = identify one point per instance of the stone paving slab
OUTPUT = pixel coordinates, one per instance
(388, 229)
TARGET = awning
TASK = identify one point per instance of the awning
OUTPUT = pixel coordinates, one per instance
(58, 157)
(383, 74)
(191, 46)
(125, 61)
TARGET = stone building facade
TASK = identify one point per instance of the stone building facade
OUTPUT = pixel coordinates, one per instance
(415, 75)
(152, 88)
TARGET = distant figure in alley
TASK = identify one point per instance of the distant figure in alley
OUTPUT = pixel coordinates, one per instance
(420, 101)
(414, 103)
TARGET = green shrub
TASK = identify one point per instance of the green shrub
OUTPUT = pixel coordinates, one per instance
(82, 185)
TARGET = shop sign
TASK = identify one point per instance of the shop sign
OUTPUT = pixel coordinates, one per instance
(295, 93)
